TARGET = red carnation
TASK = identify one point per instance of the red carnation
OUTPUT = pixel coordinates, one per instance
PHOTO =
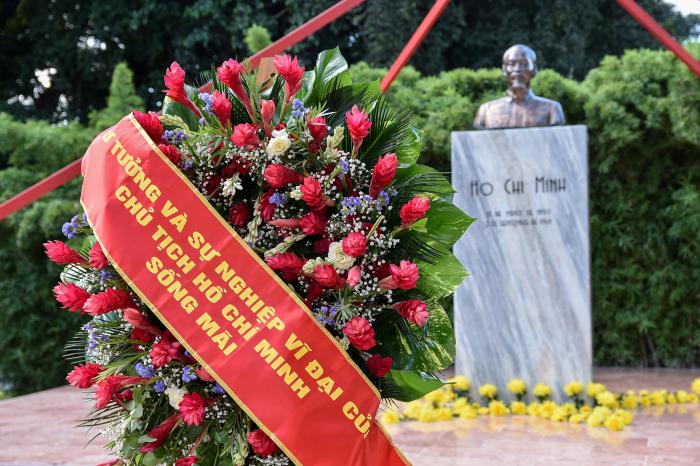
(325, 275)
(358, 125)
(61, 254)
(414, 210)
(239, 214)
(98, 260)
(212, 184)
(150, 124)
(360, 333)
(404, 276)
(83, 375)
(245, 135)
(286, 262)
(192, 408)
(107, 301)
(313, 224)
(138, 320)
(160, 433)
(186, 461)
(321, 246)
(267, 111)
(313, 194)
(292, 73)
(229, 73)
(71, 296)
(383, 174)
(261, 443)
(166, 350)
(318, 130)
(354, 276)
(204, 375)
(170, 152)
(378, 365)
(175, 83)
(278, 176)
(315, 290)
(222, 108)
(414, 310)
(266, 208)
(355, 244)
(107, 388)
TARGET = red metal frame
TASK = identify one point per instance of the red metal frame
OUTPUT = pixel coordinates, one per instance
(660, 34)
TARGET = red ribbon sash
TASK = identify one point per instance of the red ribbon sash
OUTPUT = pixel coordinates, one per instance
(233, 314)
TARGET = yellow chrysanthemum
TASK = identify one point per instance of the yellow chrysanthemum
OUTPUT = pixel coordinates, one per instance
(630, 401)
(671, 399)
(413, 409)
(573, 388)
(645, 401)
(595, 420)
(658, 398)
(559, 414)
(541, 390)
(606, 399)
(436, 396)
(615, 422)
(467, 413)
(533, 409)
(443, 414)
(488, 391)
(547, 409)
(577, 419)
(518, 408)
(695, 386)
(692, 398)
(459, 404)
(643, 392)
(483, 411)
(517, 386)
(427, 414)
(593, 389)
(460, 383)
(585, 410)
(626, 416)
(682, 396)
(390, 417)
(498, 409)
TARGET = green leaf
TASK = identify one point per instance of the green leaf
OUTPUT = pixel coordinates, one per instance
(330, 67)
(440, 279)
(420, 179)
(409, 150)
(412, 385)
(170, 107)
(150, 459)
(446, 222)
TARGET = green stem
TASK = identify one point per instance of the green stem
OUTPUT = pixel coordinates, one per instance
(374, 227)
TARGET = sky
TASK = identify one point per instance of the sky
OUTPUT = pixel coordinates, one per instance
(686, 6)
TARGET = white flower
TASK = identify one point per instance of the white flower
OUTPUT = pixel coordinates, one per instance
(232, 185)
(282, 133)
(278, 145)
(338, 258)
(296, 193)
(311, 264)
(175, 396)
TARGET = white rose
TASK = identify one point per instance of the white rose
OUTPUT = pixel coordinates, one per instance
(296, 193)
(338, 258)
(280, 134)
(175, 396)
(278, 146)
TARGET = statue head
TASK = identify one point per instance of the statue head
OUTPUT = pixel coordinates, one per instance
(519, 67)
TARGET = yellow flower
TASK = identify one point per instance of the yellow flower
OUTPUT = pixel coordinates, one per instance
(671, 399)
(390, 417)
(518, 408)
(443, 414)
(585, 410)
(692, 398)
(682, 396)
(498, 408)
(630, 402)
(594, 389)
(488, 391)
(542, 391)
(547, 409)
(615, 422)
(459, 404)
(413, 409)
(436, 396)
(448, 395)
(577, 419)
(460, 383)
(467, 413)
(595, 420)
(573, 388)
(483, 411)
(533, 409)
(643, 392)
(559, 414)
(695, 386)
(427, 414)
(606, 399)
(517, 386)
(645, 401)
(569, 408)
(658, 398)
(626, 416)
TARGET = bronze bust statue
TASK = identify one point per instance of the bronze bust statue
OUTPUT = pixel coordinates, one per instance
(520, 108)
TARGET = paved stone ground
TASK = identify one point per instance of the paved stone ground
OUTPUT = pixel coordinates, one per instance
(37, 430)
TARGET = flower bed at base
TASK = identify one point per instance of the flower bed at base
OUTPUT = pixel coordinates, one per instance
(596, 407)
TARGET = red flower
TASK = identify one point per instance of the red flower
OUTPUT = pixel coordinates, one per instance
(245, 135)
(107, 301)
(378, 365)
(61, 254)
(318, 130)
(222, 108)
(278, 176)
(313, 194)
(166, 350)
(106, 389)
(286, 262)
(325, 275)
(358, 125)
(71, 296)
(170, 152)
(267, 111)
(98, 260)
(204, 375)
(175, 83)
(360, 333)
(414, 210)
(261, 443)
(383, 174)
(160, 433)
(83, 376)
(239, 214)
(266, 208)
(355, 244)
(150, 124)
(230, 74)
(213, 184)
(404, 276)
(313, 224)
(192, 408)
(292, 73)
(354, 275)
(186, 461)
(414, 310)
(321, 246)
(138, 320)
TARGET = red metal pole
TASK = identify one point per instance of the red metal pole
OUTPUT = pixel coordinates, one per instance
(72, 170)
(660, 34)
(414, 43)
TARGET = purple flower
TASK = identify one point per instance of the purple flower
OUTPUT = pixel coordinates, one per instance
(159, 386)
(344, 167)
(143, 370)
(188, 374)
(278, 199)
(218, 389)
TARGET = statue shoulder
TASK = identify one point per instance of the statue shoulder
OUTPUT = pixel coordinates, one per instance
(556, 113)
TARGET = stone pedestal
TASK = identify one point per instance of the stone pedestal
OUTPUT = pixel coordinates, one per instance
(525, 310)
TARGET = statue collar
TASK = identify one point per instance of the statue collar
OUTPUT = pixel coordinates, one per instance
(511, 96)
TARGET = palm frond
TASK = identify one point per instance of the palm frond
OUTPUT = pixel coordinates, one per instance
(390, 126)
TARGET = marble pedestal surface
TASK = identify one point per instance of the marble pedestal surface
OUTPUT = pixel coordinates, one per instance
(525, 310)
